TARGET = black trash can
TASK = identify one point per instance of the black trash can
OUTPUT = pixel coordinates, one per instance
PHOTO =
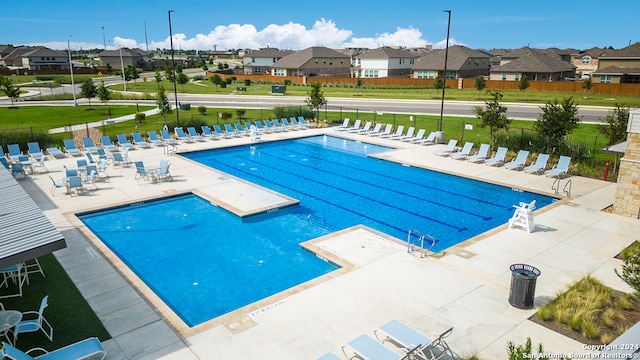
(185, 106)
(523, 285)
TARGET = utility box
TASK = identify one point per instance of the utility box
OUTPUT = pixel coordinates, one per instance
(279, 89)
(185, 106)
(523, 285)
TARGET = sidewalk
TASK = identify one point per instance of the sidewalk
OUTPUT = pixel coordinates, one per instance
(101, 122)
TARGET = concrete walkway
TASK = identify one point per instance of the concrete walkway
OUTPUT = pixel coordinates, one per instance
(466, 287)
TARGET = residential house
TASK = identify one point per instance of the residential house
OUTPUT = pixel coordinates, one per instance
(462, 62)
(537, 65)
(260, 61)
(384, 62)
(125, 56)
(313, 61)
(586, 61)
(4, 51)
(619, 66)
(35, 58)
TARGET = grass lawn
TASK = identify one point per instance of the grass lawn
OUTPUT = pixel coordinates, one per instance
(68, 312)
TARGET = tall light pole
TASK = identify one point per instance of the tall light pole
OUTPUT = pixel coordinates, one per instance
(124, 78)
(104, 40)
(440, 134)
(173, 69)
(73, 83)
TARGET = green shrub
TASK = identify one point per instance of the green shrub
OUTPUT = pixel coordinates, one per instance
(202, 110)
(139, 117)
(247, 82)
(289, 111)
(521, 352)
(22, 137)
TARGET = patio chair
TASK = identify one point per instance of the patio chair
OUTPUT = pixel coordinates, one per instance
(561, 169)
(254, 133)
(4, 162)
(206, 132)
(74, 183)
(163, 171)
(153, 138)
(386, 131)
(70, 147)
(35, 151)
(519, 161)
(14, 151)
(142, 173)
(430, 347)
(56, 153)
(90, 180)
(344, 126)
(123, 141)
(40, 165)
(107, 143)
(191, 131)
(138, 140)
(88, 144)
(446, 151)
(366, 347)
(539, 165)
(18, 275)
(398, 133)
(33, 321)
(86, 349)
(18, 169)
(102, 168)
(166, 138)
(182, 136)
(498, 158)
(55, 185)
(481, 155)
(464, 152)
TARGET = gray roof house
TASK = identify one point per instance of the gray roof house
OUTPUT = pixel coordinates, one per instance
(384, 62)
(619, 66)
(536, 64)
(35, 58)
(313, 61)
(462, 62)
(135, 57)
(586, 61)
(260, 61)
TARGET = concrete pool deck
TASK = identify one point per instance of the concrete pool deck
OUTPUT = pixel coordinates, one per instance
(467, 287)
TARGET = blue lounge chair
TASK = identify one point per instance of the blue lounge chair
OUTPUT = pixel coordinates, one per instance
(102, 154)
(304, 122)
(206, 132)
(561, 169)
(70, 147)
(498, 158)
(238, 127)
(481, 155)
(118, 159)
(55, 152)
(34, 150)
(273, 126)
(88, 144)
(228, 129)
(86, 349)
(194, 135)
(181, 135)
(367, 347)
(464, 152)
(218, 131)
(107, 143)
(519, 161)
(138, 140)
(14, 151)
(430, 347)
(153, 138)
(4, 162)
(261, 126)
(286, 124)
(123, 141)
(539, 165)
(166, 138)
(448, 149)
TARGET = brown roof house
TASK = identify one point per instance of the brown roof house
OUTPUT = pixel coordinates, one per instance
(313, 61)
(619, 66)
(136, 57)
(36, 58)
(538, 65)
(384, 62)
(586, 61)
(462, 62)
(260, 61)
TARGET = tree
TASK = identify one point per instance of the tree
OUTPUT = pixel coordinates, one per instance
(163, 102)
(438, 83)
(522, 352)
(168, 73)
(615, 124)
(557, 119)
(182, 79)
(523, 84)
(88, 90)
(131, 73)
(104, 94)
(495, 114)
(587, 84)
(631, 271)
(158, 77)
(241, 113)
(7, 87)
(316, 98)
(217, 80)
(480, 83)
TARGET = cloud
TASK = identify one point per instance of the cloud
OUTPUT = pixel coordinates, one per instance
(410, 37)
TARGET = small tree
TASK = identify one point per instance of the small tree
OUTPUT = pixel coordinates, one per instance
(523, 84)
(480, 84)
(557, 120)
(131, 73)
(7, 87)
(217, 80)
(88, 90)
(241, 113)
(438, 83)
(587, 84)
(631, 272)
(182, 79)
(615, 124)
(315, 98)
(495, 114)
(202, 110)
(247, 82)
(104, 94)
(162, 102)
(158, 77)
(522, 352)
(168, 73)
(139, 117)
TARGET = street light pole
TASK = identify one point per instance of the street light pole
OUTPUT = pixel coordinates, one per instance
(173, 69)
(104, 40)
(440, 134)
(73, 84)
(124, 78)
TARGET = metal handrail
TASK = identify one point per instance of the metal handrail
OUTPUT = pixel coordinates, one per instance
(564, 189)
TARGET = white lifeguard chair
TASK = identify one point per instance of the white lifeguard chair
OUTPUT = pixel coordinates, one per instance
(523, 216)
(254, 133)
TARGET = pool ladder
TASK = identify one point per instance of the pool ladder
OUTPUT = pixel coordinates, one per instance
(420, 238)
(170, 149)
(566, 189)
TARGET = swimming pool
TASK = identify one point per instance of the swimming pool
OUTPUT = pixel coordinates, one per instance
(338, 182)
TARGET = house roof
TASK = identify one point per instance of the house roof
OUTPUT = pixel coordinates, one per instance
(25, 231)
(43, 51)
(631, 51)
(268, 53)
(458, 56)
(532, 60)
(299, 58)
(594, 53)
(386, 52)
(126, 52)
(617, 70)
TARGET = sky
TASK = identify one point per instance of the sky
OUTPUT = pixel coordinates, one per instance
(296, 25)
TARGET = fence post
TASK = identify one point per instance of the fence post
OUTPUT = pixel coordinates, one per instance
(86, 125)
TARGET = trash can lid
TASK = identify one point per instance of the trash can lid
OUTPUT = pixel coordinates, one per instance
(525, 269)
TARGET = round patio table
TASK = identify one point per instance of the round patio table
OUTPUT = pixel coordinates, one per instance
(9, 319)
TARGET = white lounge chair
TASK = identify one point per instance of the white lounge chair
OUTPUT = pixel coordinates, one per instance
(356, 126)
(344, 126)
(366, 347)
(519, 161)
(427, 347)
(464, 152)
(365, 128)
(376, 129)
(430, 139)
(386, 131)
(410, 132)
(481, 155)
(398, 133)
(539, 165)
(448, 149)
(561, 169)
(498, 158)
(417, 137)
